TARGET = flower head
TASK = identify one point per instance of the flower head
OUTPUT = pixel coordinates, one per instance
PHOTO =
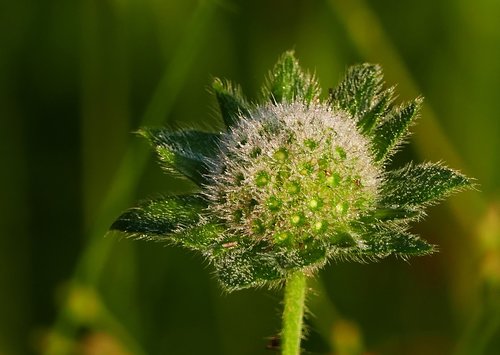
(294, 181)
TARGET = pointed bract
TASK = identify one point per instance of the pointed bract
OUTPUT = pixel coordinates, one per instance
(183, 152)
(380, 108)
(243, 266)
(199, 237)
(359, 90)
(391, 132)
(388, 213)
(424, 184)
(399, 243)
(312, 253)
(231, 102)
(161, 217)
(288, 83)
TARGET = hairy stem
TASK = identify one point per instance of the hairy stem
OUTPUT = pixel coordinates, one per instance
(293, 313)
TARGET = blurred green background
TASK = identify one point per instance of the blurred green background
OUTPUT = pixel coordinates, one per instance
(77, 77)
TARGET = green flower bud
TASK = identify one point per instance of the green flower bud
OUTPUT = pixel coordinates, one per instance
(294, 180)
(286, 203)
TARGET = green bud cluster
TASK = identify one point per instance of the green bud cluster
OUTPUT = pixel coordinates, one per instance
(288, 173)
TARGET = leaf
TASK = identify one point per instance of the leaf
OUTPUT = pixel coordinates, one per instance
(388, 213)
(376, 240)
(162, 217)
(389, 134)
(288, 83)
(232, 104)
(310, 253)
(380, 108)
(188, 141)
(358, 89)
(183, 152)
(424, 184)
(199, 237)
(241, 266)
(386, 242)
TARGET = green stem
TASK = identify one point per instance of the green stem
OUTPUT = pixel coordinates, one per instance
(293, 313)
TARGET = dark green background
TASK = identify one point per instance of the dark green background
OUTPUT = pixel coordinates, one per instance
(77, 77)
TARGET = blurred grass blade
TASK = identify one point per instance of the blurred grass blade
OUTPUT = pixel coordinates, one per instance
(136, 156)
(367, 34)
(94, 255)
